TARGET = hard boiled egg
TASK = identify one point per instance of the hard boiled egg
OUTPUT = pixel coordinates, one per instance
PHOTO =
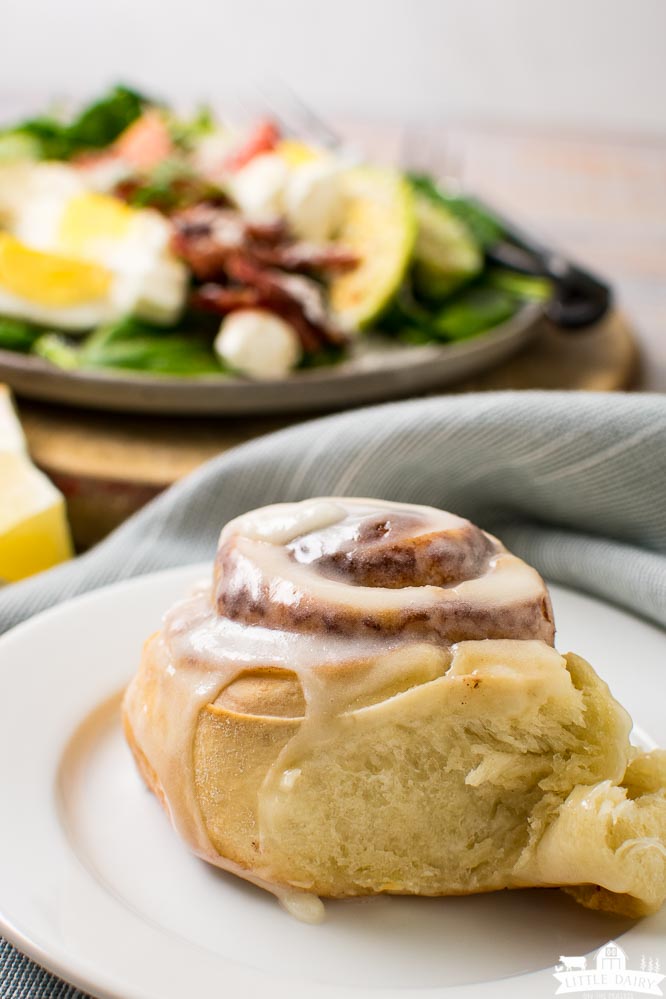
(75, 258)
(25, 183)
(48, 288)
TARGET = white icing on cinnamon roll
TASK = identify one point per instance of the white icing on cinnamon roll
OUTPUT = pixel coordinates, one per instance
(348, 595)
(358, 567)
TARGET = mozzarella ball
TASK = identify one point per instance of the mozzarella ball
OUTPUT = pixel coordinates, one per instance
(258, 344)
(314, 200)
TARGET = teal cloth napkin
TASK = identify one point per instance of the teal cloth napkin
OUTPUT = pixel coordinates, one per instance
(573, 482)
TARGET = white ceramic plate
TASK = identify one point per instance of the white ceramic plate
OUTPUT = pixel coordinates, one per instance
(95, 885)
(378, 369)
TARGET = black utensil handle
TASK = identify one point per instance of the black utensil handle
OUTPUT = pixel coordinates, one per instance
(579, 297)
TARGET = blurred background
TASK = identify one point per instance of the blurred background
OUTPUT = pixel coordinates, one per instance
(590, 64)
(555, 113)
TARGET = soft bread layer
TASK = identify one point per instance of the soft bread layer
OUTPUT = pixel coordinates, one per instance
(367, 699)
(504, 766)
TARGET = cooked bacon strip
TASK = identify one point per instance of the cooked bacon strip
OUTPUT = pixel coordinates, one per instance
(204, 236)
(220, 300)
(298, 299)
(274, 284)
(251, 265)
(267, 232)
(225, 225)
(268, 242)
(303, 256)
(203, 255)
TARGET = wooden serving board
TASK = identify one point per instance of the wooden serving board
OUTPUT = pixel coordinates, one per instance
(109, 465)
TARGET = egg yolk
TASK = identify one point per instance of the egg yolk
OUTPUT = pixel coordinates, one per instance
(89, 217)
(296, 153)
(47, 278)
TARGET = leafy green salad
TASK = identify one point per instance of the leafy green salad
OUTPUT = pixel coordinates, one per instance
(135, 239)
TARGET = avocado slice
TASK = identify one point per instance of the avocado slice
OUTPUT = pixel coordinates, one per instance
(379, 226)
(446, 255)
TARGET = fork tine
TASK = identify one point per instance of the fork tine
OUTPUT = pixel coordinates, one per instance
(269, 101)
(426, 150)
(297, 117)
(318, 126)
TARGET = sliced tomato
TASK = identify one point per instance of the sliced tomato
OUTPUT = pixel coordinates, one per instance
(263, 138)
(146, 142)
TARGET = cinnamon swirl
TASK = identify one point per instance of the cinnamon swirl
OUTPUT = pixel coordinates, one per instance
(367, 699)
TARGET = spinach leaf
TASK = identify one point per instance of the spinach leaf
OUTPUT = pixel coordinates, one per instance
(473, 311)
(327, 355)
(96, 127)
(138, 346)
(47, 135)
(415, 336)
(16, 334)
(171, 184)
(527, 287)
(14, 146)
(185, 132)
(55, 348)
(405, 312)
(101, 123)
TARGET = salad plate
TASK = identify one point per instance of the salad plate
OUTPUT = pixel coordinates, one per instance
(377, 370)
(95, 886)
(155, 262)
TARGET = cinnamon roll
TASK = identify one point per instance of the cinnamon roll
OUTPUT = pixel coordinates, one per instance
(367, 699)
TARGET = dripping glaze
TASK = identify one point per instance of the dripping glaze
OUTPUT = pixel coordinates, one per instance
(366, 585)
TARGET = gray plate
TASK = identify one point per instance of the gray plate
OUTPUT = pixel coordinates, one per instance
(378, 369)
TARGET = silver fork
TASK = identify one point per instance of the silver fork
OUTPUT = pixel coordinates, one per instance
(298, 119)
(421, 150)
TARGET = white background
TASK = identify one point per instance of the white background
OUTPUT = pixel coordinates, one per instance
(581, 62)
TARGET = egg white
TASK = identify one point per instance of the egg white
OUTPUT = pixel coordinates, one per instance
(146, 279)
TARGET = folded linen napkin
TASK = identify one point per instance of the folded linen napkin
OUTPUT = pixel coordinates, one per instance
(575, 483)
